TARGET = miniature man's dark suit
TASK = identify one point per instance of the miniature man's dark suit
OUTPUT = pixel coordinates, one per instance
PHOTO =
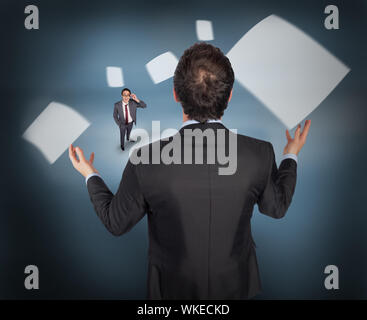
(123, 122)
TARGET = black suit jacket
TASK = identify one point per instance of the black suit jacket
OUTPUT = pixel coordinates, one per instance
(118, 113)
(200, 241)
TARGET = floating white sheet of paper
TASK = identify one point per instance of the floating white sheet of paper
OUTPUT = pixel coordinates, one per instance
(204, 30)
(289, 72)
(162, 67)
(55, 129)
(114, 77)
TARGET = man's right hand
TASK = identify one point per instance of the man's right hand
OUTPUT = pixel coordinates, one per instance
(295, 144)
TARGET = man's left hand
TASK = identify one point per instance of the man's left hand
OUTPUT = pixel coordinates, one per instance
(134, 97)
(85, 167)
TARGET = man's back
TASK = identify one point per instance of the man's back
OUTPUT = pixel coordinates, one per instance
(199, 211)
(200, 242)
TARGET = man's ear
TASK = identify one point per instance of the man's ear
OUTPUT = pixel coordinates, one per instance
(230, 95)
(175, 95)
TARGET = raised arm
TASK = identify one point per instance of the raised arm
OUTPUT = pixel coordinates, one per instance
(139, 103)
(281, 183)
(119, 212)
(279, 187)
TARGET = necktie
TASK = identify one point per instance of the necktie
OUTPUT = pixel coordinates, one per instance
(126, 114)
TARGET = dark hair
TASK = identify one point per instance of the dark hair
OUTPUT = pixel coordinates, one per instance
(125, 89)
(203, 81)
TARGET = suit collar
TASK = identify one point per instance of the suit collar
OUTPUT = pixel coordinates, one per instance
(188, 122)
(203, 126)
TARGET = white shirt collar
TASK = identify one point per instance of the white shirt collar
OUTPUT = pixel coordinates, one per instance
(187, 122)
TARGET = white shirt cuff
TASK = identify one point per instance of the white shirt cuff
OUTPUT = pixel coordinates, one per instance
(91, 175)
(290, 156)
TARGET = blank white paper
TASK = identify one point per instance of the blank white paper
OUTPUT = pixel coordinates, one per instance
(288, 71)
(204, 30)
(162, 67)
(114, 77)
(55, 129)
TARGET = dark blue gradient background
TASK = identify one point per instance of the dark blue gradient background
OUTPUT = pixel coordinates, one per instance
(46, 216)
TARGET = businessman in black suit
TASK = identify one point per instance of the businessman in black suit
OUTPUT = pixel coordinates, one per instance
(124, 113)
(200, 241)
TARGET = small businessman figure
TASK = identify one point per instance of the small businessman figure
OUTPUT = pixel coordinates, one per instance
(124, 113)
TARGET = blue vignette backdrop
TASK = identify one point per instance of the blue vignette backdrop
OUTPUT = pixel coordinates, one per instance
(46, 216)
